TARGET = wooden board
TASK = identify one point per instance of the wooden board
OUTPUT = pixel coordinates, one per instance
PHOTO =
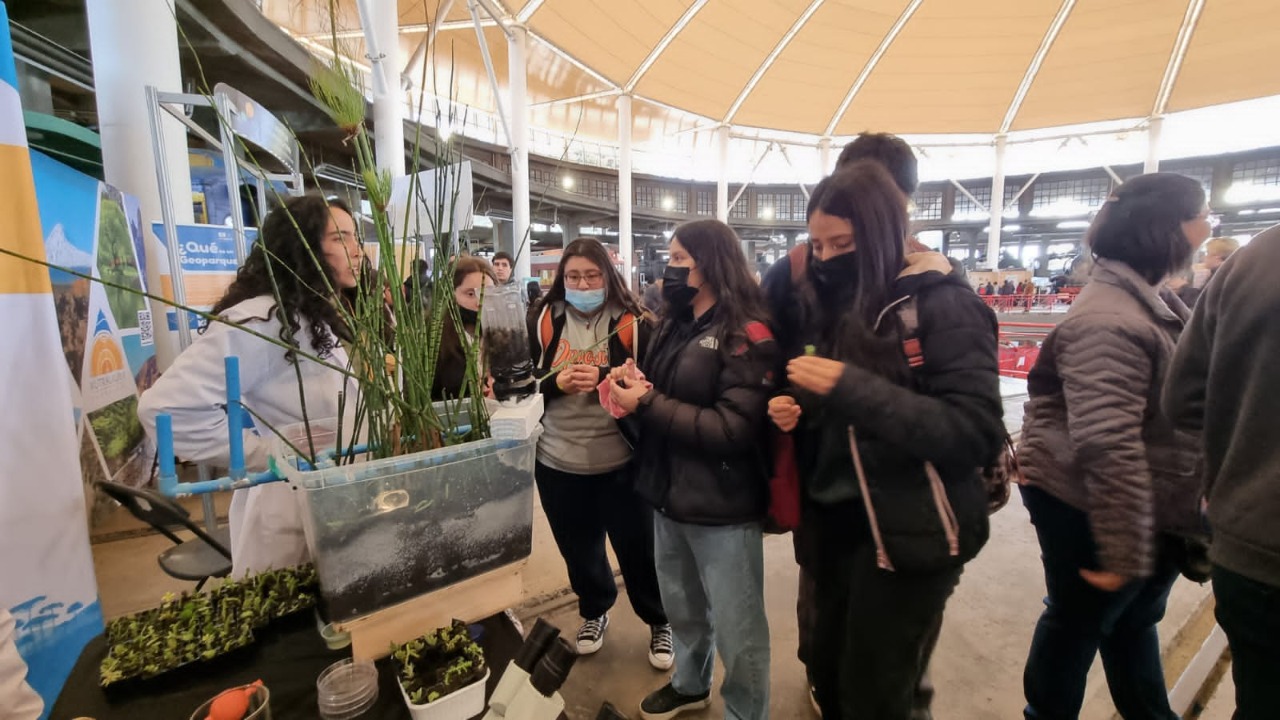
(470, 600)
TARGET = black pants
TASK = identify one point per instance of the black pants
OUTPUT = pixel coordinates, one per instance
(582, 510)
(1249, 613)
(1080, 622)
(875, 630)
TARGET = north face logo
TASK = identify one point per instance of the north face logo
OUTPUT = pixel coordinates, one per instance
(709, 342)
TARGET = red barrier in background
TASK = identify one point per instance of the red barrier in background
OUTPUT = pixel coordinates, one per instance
(1020, 346)
(1048, 302)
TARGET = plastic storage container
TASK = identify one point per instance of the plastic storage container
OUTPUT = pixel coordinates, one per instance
(346, 690)
(458, 705)
(385, 531)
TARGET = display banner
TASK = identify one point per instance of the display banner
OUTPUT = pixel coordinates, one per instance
(46, 569)
(93, 229)
(208, 257)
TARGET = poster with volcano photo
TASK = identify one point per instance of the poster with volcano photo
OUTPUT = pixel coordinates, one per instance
(94, 229)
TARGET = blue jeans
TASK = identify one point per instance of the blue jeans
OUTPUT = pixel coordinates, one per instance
(712, 583)
(1081, 621)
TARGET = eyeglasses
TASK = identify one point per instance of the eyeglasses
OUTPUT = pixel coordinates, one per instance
(591, 278)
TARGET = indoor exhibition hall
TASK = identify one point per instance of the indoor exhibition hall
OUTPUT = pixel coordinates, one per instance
(639, 360)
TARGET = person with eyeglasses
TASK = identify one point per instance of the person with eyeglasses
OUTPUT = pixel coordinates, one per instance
(292, 286)
(588, 322)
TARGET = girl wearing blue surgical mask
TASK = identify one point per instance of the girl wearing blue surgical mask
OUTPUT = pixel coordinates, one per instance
(588, 322)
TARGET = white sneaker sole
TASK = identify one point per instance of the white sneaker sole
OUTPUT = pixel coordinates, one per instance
(591, 648)
(662, 663)
(691, 707)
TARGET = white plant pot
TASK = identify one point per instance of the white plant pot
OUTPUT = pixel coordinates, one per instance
(461, 704)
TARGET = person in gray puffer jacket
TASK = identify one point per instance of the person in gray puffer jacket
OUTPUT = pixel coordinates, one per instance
(1109, 483)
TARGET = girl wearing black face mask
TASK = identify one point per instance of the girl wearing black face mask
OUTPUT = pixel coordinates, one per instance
(470, 277)
(892, 396)
(699, 427)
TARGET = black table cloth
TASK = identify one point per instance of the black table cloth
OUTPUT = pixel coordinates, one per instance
(287, 659)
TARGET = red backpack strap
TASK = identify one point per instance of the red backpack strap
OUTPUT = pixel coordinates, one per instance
(756, 332)
(909, 316)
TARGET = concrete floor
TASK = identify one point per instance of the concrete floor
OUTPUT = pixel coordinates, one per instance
(977, 668)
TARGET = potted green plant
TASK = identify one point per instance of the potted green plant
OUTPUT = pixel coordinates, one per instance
(442, 674)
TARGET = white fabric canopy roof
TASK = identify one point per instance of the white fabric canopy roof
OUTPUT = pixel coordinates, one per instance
(838, 67)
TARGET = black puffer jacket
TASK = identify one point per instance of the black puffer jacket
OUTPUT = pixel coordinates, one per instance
(702, 427)
(946, 412)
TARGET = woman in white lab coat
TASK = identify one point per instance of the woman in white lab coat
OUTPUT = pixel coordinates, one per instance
(314, 255)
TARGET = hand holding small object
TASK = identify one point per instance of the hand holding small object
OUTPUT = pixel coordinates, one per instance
(785, 412)
(627, 393)
(815, 374)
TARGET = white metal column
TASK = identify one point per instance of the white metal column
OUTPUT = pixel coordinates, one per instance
(997, 205)
(722, 174)
(388, 108)
(624, 188)
(518, 101)
(1154, 126)
(135, 44)
(824, 157)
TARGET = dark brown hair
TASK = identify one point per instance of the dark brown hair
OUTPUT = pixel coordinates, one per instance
(865, 194)
(615, 288)
(1140, 225)
(890, 151)
(717, 251)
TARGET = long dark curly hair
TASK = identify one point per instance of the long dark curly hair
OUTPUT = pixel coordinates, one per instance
(289, 250)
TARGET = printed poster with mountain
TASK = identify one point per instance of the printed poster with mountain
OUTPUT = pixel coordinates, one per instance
(107, 340)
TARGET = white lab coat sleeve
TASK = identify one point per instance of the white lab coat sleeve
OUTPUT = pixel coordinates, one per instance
(17, 700)
(193, 391)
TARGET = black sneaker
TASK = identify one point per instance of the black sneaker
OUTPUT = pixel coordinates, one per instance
(591, 634)
(665, 703)
(661, 647)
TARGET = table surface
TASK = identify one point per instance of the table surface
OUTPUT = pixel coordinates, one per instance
(288, 661)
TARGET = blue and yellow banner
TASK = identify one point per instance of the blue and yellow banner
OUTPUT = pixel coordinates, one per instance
(47, 569)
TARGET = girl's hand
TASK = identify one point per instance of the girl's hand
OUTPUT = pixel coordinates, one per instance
(624, 372)
(578, 379)
(815, 374)
(627, 393)
(784, 411)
